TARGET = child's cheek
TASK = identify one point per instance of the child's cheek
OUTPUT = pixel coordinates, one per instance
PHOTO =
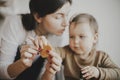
(70, 46)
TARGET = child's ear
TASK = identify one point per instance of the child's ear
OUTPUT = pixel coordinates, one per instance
(95, 37)
(37, 18)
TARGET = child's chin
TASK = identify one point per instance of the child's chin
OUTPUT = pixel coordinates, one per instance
(79, 52)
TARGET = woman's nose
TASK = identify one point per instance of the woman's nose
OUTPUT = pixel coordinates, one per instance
(65, 22)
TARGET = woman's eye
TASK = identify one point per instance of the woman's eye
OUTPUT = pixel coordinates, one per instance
(58, 17)
(71, 37)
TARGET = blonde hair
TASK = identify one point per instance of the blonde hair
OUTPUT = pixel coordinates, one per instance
(86, 18)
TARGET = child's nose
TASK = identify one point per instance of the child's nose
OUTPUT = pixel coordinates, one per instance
(77, 40)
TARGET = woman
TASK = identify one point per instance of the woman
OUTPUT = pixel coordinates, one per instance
(46, 17)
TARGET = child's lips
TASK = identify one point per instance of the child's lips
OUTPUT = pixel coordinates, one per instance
(77, 48)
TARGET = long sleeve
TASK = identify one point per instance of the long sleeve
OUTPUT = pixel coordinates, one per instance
(12, 36)
(108, 69)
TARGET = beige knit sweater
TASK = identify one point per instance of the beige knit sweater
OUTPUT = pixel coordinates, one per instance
(72, 64)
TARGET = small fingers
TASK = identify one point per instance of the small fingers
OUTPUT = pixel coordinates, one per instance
(85, 68)
(88, 72)
(87, 75)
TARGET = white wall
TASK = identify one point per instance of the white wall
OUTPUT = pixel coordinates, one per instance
(107, 13)
(15, 7)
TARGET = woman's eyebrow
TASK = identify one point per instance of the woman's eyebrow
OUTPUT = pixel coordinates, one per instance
(59, 13)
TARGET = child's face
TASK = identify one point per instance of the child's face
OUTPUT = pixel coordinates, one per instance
(81, 38)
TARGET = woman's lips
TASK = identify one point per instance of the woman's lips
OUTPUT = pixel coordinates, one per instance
(61, 31)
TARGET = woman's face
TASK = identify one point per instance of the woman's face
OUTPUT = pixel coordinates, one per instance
(55, 23)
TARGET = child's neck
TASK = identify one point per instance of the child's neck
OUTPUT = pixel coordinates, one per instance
(83, 60)
(84, 57)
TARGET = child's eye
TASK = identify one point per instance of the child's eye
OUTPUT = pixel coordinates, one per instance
(82, 37)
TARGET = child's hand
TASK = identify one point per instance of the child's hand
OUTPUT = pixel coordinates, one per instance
(90, 72)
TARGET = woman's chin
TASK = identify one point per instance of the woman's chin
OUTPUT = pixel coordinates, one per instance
(58, 34)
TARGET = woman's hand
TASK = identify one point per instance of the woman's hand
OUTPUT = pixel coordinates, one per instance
(28, 54)
(53, 65)
(54, 59)
(90, 72)
(31, 48)
(54, 62)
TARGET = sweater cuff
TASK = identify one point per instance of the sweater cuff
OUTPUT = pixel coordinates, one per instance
(8, 76)
(101, 75)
